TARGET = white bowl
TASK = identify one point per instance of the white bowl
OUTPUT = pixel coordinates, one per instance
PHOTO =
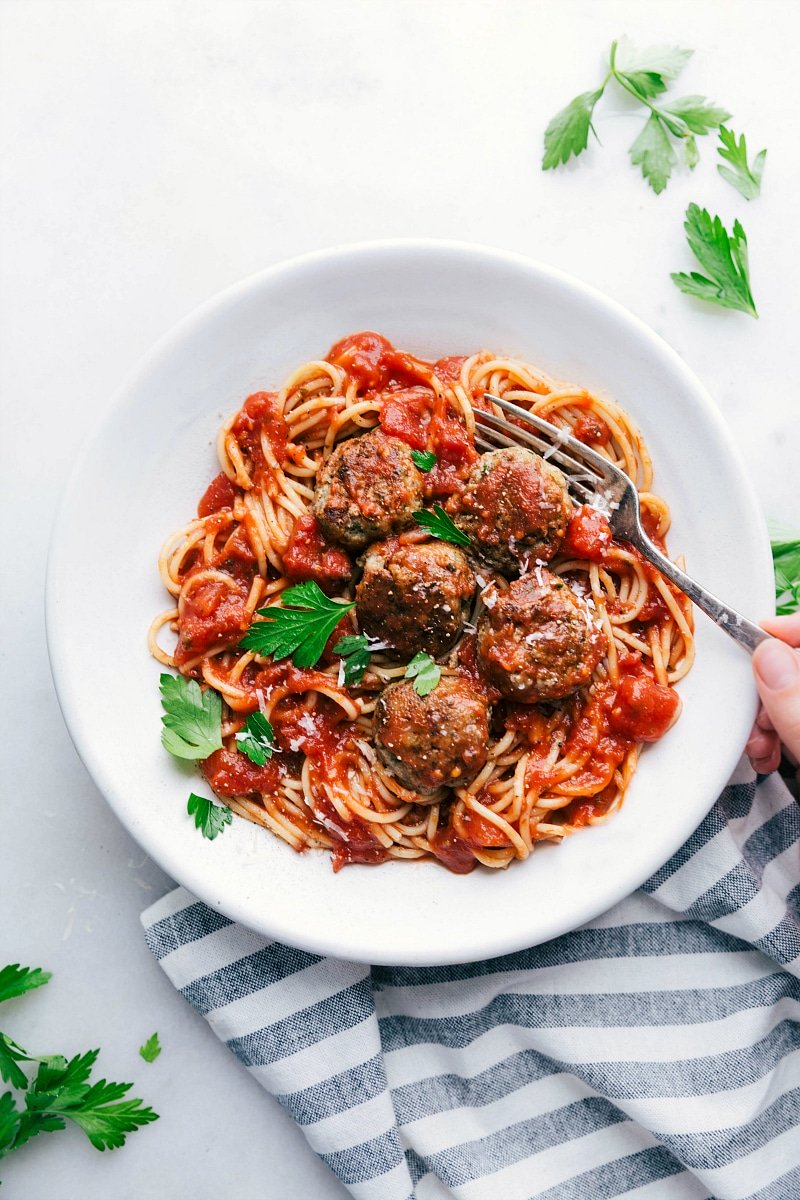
(149, 462)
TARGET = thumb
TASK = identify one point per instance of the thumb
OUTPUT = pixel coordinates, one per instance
(777, 671)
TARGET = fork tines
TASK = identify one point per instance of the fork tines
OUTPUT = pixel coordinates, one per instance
(495, 432)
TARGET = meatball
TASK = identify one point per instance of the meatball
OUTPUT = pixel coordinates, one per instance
(415, 598)
(515, 507)
(433, 741)
(368, 489)
(537, 640)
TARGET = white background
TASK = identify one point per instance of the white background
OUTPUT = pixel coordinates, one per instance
(155, 152)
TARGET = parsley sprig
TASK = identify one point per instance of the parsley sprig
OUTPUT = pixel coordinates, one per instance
(440, 525)
(424, 459)
(425, 673)
(723, 257)
(786, 559)
(192, 718)
(257, 739)
(300, 626)
(746, 179)
(354, 650)
(644, 75)
(210, 818)
(62, 1089)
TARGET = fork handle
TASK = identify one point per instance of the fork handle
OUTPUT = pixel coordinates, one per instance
(732, 622)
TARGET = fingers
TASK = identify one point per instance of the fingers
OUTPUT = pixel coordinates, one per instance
(764, 750)
(777, 672)
(785, 628)
(763, 720)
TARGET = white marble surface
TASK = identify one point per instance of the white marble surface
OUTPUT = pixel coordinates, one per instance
(154, 153)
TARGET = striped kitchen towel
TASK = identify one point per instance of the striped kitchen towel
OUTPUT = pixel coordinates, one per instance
(653, 1054)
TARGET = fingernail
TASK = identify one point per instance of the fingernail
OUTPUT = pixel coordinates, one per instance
(778, 666)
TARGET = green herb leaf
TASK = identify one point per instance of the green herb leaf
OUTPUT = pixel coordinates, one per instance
(105, 1120)
(300, 626)
(62, 1089)
(257, 739)
(354, 650)
(192, 718)
(9, 1122)
(151, 1049)
(697, 114)
(425, 673)
(568, 132)
(16, 980)
(655, 153)
(786, 559)
(723, 257)
(10, 1055)
(209, 818)
(746, 179)
(439, 525)
(424, 459)
(648, 71)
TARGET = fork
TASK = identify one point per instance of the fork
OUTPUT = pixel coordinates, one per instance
(599, 483)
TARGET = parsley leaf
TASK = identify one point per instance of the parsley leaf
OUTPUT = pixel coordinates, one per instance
(654, 151)
(425, 673)
(786, 559)
(424, 459)
(15, 980)
(648, 71)
(568, 132)
(10, 1055)
(192, 718)
(257, 739)
(300, 626)
(723, 257)
(697, 113)
(439, 525)
(151, 1049)
(210, 818)
(354, 650)
(746, 179)
(9, 1122)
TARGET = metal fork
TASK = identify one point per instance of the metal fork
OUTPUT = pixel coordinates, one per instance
(595, 481)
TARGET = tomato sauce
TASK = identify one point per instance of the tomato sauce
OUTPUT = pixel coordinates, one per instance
(591, 430)
(469, 667)
(260, 414)
(449, 369)
(231, 773)
(643, 710)
(476, 831)
(353, 840)
(309, 555)
(212, 613)
(588, 808)
(588, 535)
(407, 414)
(375, 365)
(453, 851)
(219, 494)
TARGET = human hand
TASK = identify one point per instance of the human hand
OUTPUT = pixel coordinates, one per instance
(777, 670)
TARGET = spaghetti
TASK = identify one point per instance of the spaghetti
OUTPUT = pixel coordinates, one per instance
(553, 765)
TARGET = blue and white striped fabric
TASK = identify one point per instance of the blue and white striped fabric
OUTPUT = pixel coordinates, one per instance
(653, 1054)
